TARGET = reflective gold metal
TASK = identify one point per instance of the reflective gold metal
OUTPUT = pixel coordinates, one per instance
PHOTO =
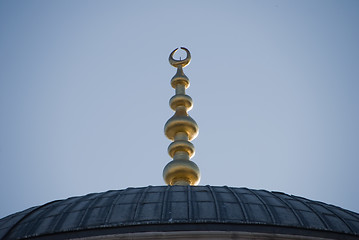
(180, 145)
(182, 63)
(181, 129)
(181, 172)
(181, 124)
(180, 79)
(181, 100)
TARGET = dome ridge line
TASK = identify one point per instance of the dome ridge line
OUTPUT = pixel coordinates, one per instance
(264, 204)
(240, 201)
(189, 202)
(140, 199)
(121, 193)
(300, 199)
(289, 206)
(164, 200)
(9, 232)
(215, 202)
(62, 214)
(87, 209)
(323, 206)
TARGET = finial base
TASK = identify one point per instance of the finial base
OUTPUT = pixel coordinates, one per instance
(181, 172)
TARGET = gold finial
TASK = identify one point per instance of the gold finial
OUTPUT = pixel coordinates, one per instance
(181, 129)
(177, 63)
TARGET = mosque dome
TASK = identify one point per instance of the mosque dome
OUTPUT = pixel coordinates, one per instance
(180, 209)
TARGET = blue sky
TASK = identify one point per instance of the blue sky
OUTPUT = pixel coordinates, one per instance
(84, 90)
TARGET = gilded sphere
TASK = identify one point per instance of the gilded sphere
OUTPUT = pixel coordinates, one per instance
(180, 79)
(178, 124)
(181, 100)
(181, 145)
(180, 172)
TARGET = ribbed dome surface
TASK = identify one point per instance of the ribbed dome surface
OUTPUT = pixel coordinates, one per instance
(178, 205)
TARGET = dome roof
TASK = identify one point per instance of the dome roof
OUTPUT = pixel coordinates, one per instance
(176, 208)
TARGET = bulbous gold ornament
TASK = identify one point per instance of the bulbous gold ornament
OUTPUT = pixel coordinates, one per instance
(181, 129)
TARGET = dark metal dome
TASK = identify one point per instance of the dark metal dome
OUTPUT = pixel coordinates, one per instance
(181, 208)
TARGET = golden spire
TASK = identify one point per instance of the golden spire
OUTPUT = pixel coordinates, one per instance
(181, 129)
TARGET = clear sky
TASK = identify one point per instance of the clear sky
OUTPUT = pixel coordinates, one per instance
(84, 90)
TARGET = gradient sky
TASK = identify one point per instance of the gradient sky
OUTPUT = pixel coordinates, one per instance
(84, 90)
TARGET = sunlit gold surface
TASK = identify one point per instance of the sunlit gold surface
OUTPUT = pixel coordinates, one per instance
(181, 129)
(181, 172)
(181, 145)
(181, 100)
(181, 124)
(180, 78)
(180, 63)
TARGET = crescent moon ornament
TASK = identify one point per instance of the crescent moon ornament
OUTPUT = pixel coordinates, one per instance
(180, 63)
